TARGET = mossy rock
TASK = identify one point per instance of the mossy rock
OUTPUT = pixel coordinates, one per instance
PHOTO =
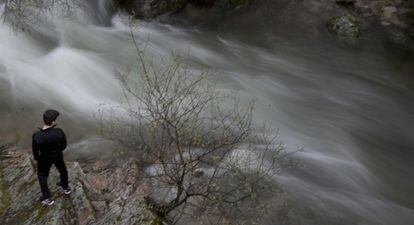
(345, 26)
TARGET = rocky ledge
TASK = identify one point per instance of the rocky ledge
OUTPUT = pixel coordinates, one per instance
(347, 19)
(102, 194)
(396, 17)
(149, 9)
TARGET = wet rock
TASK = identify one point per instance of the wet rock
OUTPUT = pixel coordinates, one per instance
(389, 11)
(345, 27)
(23, 206)
(104, 195)
(147, 9)
(390, 16)
(385, 23)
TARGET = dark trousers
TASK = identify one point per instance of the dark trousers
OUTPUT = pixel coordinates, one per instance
(43, 168)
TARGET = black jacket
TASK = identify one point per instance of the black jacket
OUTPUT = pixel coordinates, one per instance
(48, 143)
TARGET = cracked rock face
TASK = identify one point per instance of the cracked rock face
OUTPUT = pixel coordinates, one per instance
(100, 194)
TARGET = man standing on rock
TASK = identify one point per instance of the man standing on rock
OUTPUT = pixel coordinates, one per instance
(48, 144)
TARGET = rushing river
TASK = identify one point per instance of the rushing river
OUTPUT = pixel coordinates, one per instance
(350, 109)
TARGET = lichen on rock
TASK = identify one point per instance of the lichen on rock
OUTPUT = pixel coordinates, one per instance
(345, 27)
(116, 199)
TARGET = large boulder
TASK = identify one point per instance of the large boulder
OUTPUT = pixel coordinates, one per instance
(148, 9)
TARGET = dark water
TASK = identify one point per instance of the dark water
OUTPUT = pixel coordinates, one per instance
(351, 108)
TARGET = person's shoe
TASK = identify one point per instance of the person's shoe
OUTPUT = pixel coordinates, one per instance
(48, 202)
(66, 191)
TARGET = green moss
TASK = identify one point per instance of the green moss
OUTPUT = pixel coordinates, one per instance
(42, 210)
(5, 196)
(157, 221)
(23, 216)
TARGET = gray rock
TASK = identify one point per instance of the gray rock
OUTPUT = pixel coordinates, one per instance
(389, 12)
(87, 205)
(99, 205)
(385, 23)
(147, 9)
(345, 27)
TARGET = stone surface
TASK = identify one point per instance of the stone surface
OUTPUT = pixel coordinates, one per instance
(389, 11)
(238, 2)
(379, 21)
(147, 9)
(345, 26)
(100, 194)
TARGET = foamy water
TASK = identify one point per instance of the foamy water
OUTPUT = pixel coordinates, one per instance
(348, 109)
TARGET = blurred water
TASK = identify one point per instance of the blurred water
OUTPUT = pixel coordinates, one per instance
(350, 109)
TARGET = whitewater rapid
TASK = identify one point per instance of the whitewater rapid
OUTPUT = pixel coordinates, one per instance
(348, 109)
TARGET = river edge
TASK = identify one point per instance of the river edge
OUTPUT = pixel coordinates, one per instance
(101, 193)
(389, 22)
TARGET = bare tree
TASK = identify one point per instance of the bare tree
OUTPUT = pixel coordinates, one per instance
(200, 151)
(22, 14)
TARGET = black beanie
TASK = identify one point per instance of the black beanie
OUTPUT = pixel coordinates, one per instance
(49, 116)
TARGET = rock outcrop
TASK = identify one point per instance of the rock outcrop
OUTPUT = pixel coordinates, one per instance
(347, 19)
(345, 26)
(396, 17)
(148, 9)
(101, 194)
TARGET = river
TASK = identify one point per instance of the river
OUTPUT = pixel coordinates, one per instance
(351, 109)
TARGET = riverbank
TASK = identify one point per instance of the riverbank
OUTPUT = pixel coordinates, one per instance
(348, 106)
(390, 21)
(101, 193)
